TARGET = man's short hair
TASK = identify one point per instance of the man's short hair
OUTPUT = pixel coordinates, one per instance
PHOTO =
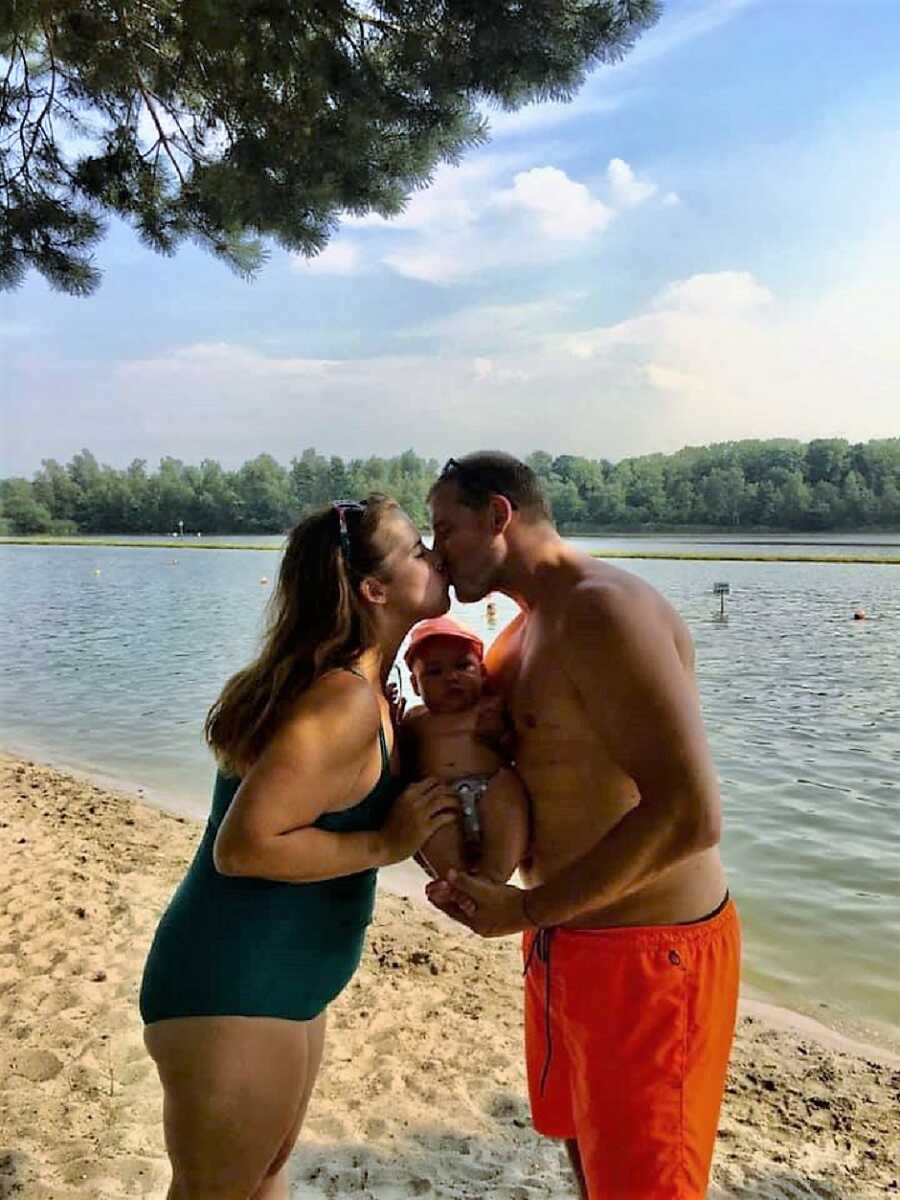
(492, 473)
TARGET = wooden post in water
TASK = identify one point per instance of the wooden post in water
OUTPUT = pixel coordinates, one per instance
(721, 590)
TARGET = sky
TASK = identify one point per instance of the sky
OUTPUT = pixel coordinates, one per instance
(703, 246)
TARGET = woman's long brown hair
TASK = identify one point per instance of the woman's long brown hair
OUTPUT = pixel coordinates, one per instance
(316, 621)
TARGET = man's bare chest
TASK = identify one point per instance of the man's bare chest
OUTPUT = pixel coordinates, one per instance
(538, 692)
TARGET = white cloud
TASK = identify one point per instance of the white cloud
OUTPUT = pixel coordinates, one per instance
(434, 265)
(561, 207)
(499, 324)
(728, 359)
(671, 200)
(495, 212)
(711, 357)
(476, 222)
(714, 293)
(626, 190)
(453, 199)
(223, 359)
(338, 258)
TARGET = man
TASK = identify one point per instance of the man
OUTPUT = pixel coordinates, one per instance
(631, 944)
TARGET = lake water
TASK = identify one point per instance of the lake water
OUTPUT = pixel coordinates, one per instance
(110, 657)
(785, 545)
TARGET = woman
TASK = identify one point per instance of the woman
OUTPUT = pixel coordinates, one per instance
(268, 925)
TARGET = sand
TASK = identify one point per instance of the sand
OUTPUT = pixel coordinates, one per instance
(422, 1090)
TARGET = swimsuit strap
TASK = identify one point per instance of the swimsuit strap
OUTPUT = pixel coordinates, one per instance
(382, 740)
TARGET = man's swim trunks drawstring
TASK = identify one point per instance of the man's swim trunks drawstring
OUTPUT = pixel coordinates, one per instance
(543, 944)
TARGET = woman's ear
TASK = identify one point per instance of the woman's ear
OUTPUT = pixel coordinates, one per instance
(415, 683)
(373, 590)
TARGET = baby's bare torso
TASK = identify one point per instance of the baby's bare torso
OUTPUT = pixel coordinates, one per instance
(445, 745)
(491, 836)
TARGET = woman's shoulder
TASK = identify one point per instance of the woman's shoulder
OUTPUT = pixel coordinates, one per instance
(336, 702)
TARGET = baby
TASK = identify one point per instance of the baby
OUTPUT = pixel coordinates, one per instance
(438, 738)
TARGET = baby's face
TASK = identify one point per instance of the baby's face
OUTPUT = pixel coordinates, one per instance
(448, 675)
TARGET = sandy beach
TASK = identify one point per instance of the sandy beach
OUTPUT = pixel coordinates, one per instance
(422, 1090)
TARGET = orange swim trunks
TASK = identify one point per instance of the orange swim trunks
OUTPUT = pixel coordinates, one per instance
(627, 1037)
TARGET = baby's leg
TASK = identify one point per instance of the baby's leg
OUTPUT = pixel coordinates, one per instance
(505, 825)
(443, 850)
(459, 845)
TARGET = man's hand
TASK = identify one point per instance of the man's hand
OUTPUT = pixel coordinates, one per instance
(490, 909)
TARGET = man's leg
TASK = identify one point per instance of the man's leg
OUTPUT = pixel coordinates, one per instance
(649, 1062)
(546, 1056)
(577, 1169)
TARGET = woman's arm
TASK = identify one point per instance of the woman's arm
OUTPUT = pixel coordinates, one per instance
(319, 761)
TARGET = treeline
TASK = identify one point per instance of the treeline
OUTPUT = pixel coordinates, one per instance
(828, 484)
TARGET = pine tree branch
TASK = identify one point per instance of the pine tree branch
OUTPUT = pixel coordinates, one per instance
(139, 83)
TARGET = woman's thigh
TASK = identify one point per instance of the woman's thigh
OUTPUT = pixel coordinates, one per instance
(315, 1045)
(233, 1087)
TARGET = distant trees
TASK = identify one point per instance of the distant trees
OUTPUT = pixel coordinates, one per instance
(827, 484)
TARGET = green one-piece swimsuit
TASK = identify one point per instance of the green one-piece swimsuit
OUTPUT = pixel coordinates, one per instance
(236, 946)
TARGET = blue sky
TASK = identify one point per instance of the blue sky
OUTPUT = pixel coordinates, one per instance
(704, 245)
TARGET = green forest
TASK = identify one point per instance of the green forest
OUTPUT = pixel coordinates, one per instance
(778, 484)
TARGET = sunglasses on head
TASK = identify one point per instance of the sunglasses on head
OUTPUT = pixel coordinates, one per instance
(342, 507)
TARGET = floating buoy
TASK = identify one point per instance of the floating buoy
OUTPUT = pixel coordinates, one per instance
(265, 579)
(96, 570)
(859, 614)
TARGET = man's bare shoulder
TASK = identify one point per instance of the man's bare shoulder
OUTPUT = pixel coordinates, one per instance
(612, 603)
(500, 643)
(511, 629)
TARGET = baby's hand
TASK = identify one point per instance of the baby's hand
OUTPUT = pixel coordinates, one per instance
(396, 703)
(492, 724)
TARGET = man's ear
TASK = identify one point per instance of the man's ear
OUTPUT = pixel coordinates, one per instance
(373, 590)
(500, 513)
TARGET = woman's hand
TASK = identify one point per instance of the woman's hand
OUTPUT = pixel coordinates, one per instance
(416, 814)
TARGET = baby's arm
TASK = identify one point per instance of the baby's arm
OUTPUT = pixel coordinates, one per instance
(505, 817)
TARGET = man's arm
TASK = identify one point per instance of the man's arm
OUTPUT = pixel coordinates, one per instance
(621, 655)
